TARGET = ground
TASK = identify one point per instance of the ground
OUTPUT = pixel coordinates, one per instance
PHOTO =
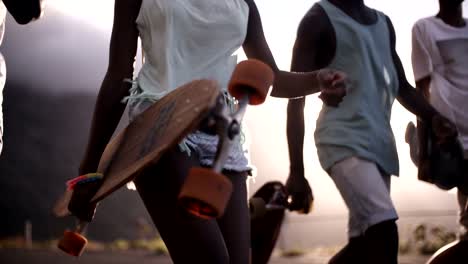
(24, 256)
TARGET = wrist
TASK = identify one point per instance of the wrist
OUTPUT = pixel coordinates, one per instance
(296, 172)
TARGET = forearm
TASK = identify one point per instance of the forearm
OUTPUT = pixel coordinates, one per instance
(107, 114)
(414, 101)
(24, 11)
(295, 84)
(295, 131)
(422, 86)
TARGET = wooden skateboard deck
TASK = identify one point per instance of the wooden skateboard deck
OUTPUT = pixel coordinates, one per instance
(144, 140)
(453, 253)
(205, 192)
(266, 228)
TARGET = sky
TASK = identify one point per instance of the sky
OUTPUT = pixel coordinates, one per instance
(266, 123)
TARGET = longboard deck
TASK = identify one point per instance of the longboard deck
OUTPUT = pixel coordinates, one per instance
(440, 164)
(453, 253)
(144, 140)
(265, 229)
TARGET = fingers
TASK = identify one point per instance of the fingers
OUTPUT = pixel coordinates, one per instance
(301, 202)
(333, 86)
(443, 128)
(333, 97)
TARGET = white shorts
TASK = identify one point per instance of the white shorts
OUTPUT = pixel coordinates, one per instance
(366, 193)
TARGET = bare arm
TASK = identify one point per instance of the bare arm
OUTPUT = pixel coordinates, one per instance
(422, 85)
(109, 107)
(313, 50)
(287, 84)
(413, 99)
(408, 96)
(24, 11)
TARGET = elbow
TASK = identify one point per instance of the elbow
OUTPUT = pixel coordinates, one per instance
(25, 15)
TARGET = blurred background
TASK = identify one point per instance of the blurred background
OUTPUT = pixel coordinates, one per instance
(55, 67)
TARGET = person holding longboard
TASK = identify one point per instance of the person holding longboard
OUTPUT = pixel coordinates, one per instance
(354, 141)
(182, 41)
(440, 66)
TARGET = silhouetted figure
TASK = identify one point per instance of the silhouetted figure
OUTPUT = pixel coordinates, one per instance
(23, 11)
(440, 66)
(355, 142)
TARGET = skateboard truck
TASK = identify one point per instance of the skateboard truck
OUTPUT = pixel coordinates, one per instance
(206, 191)
(279, 201)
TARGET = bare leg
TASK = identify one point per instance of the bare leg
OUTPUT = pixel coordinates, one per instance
(353, 252)
(189, 239)
(463, 204)
(235, 223)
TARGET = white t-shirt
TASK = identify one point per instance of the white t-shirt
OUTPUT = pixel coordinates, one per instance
(441, 52)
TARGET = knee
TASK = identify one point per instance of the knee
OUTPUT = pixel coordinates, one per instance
(200, 256)
(353, 252)
(382, 230)
(381, 241)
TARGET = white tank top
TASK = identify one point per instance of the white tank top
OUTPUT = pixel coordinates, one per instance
(185, 40)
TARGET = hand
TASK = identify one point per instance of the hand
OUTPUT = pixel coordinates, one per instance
(443, 128)
(299, 194)
(333, 86)
(80, 205)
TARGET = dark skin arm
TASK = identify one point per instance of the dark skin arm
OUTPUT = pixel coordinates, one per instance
(290, 84)
(109, 107)
(409, 97)
(413, 99)
(313, 50)
(422, 85)
(24, 11)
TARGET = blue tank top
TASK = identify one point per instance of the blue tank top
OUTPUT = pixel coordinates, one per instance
(360, 126)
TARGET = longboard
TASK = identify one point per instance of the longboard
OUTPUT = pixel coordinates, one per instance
(144, 140)
(198, 104)
(267, 206)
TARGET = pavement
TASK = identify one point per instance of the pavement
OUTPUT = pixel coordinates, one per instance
(45, 256)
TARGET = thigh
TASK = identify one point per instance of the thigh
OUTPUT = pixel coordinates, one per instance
(366, 193)
(235, 223)
(189, 239)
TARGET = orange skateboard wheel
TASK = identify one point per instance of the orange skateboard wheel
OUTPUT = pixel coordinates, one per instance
(257, 207)
(205, 193)
(253, 78)
(72, 243)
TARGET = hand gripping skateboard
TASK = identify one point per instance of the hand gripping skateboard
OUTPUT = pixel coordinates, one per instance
(440, 164)
(206, 191)
(267, 210)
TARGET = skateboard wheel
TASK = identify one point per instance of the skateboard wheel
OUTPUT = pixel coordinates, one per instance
(253, 78)
(257, 207)
(72, 243)
(205, 193)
